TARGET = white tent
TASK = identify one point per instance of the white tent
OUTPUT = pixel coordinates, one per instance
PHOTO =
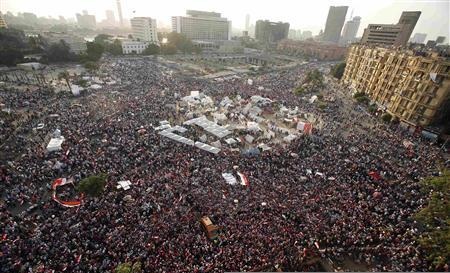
(125, 185)
(55, 144)
(75, 89)
(253, 126)
(95, 86)
(313, 99)
(289, 138)
(249, 138)
(229, 178)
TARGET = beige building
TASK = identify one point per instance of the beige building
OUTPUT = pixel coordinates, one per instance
(2, 22)
(144, 29)
(413, 87)
(202, 25)
(392, 34)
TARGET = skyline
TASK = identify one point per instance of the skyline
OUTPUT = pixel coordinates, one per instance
(434, 20)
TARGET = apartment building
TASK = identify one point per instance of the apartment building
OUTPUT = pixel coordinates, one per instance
(202, 25)
(144, 29)
(415, 87)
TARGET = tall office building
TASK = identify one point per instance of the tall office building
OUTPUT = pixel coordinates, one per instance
(350, 30)
(119, 12)
(271, 32)
(334, 24)
(86, 21)
(144, 29)
(110, 19)
(419, 38)
(202, 25)
(392, 34)
(247, 22)
(306, 35)
(408, 20)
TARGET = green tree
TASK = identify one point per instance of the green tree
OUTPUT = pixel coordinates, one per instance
(60, 52)
(114, 48)
(151, 49)
(386, 117)
(435, 218)
(10, 56)
(129, 268)
(123, 268)
(92, 185)
(65, 75)
(315, 78)
(91, 66)
(180, 42)
(299, 90)
(94, 51)
(102, 38)
(82, 82)
(338, 70)
(168, 49)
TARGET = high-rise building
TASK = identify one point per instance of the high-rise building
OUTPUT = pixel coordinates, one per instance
(392, 34)
(408, 20)
(202, 25)
(271, 32)
(2, 21)
(110, 19)
(440, 39)
(76, 43)
(144, 29)
(86, 21)
(334, 24)
(119, 12)
(419, 38)
(350, 30)
(247, 22)
(306, 35)
(413, 87)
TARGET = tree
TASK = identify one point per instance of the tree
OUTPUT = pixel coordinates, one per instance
(60, 52)
(94, 51)
(92, 185)
(315, 78)
(338, 70)
(123, 268)
(299, 90)
(102, 38)
(65, 75)
(435, 218)
(168, 49)
(151, 49)
(386, 117)
(114, 48)
(180, 42)
(10, 56)
(82, 82)
(91, 66)
(129, 268)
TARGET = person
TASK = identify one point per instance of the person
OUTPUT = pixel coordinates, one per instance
(174, 184)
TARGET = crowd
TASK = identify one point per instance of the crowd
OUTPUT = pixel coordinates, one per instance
(314, 198)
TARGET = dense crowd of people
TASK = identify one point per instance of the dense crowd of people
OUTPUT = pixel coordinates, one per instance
(314, 199)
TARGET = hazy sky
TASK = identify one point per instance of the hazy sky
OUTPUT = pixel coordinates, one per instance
(304, 15)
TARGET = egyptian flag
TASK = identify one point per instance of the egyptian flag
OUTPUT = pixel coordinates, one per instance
(243, 179)
(375, 176)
